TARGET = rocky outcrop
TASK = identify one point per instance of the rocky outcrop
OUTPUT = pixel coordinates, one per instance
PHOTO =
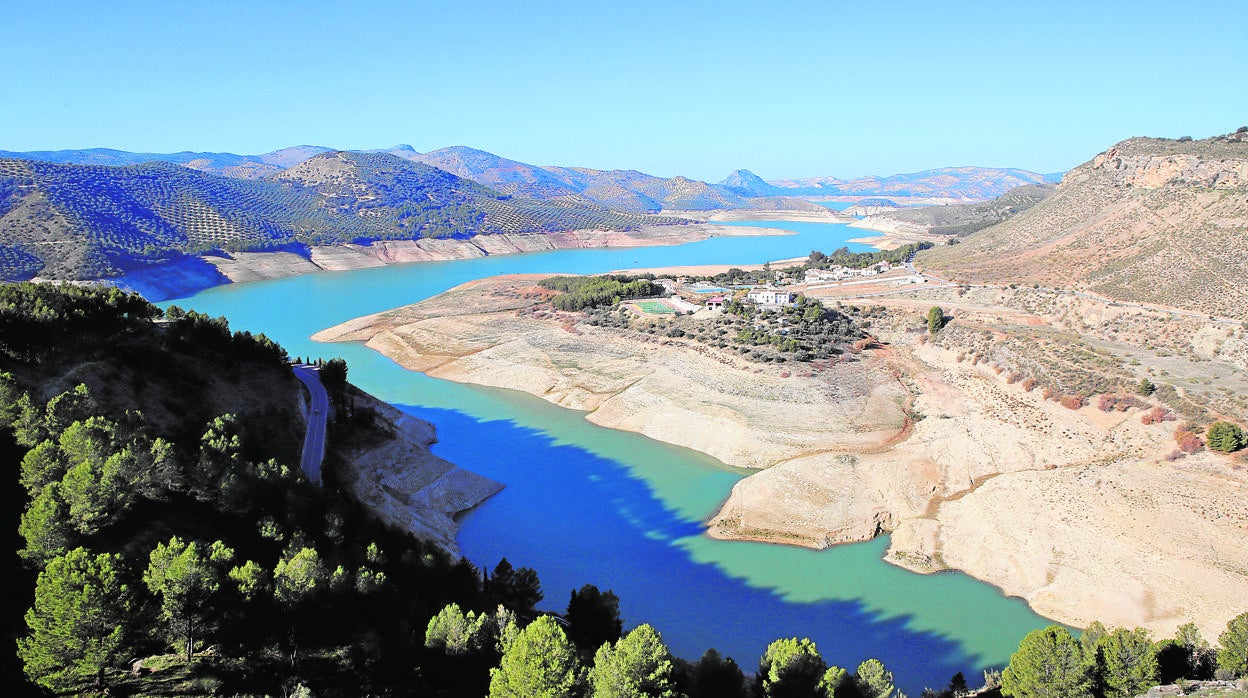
(406, 485)
(1182, 169)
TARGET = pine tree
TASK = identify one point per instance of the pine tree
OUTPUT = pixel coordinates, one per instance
(187, 581)
(76, 625)
(637, 666)
(793, 667)
(1233, 650)
(539, 663)
(1127, 662)
(873, 680)
(1049, 663)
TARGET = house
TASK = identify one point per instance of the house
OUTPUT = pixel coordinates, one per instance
(771, 296)
(716, 303)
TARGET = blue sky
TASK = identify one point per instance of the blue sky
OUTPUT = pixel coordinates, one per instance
(787, 89)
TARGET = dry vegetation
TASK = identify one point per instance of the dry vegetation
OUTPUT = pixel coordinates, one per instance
(1150, 221)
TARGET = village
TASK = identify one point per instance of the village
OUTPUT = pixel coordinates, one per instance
(778, 289)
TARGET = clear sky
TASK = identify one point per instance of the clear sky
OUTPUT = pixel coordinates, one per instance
(786, 89)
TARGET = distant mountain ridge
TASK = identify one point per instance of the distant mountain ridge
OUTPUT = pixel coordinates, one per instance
(625, 190)
(966, 183)
(72, 221)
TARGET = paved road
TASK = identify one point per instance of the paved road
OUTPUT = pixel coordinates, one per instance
(314, 440)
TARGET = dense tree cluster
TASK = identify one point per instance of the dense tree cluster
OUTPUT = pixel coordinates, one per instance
(805, 331)
(581, 292)
(1119, 663)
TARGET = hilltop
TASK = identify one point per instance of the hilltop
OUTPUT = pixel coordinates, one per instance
(1149, 220)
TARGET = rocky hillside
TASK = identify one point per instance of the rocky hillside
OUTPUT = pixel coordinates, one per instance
(91, 221)
(1149, 220)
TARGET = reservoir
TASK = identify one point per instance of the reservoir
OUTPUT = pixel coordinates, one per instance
(589, 505)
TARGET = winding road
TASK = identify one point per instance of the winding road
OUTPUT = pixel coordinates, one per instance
(318, 415)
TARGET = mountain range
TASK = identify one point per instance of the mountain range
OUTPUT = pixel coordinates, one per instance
(84, 214)
(74, 221)
(624, 190)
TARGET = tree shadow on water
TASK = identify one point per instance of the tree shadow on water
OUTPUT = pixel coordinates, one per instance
(578, 518)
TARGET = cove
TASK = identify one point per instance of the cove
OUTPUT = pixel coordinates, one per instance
(589, 505)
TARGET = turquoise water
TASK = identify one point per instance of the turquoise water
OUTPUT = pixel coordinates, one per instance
(584, 504)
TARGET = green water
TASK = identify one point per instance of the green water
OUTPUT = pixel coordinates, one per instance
(584, 504)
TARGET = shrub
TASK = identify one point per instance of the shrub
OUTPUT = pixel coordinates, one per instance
(1029, 384)
(1187, 440)
(1157, 415)
(1073, 402)
(1012, 378)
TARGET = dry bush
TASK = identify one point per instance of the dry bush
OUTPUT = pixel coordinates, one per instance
(1157, 415)
(1073, 402)
(996, 368)
(1105, 403)
(1187, 440)
(1049, 394)
(1012, 378)
(1175, 455)
(961, 356)
(1029, 384)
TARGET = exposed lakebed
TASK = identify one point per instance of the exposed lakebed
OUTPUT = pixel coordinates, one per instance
(584, 504)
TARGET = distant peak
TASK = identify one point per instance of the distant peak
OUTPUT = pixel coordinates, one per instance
(745, 181)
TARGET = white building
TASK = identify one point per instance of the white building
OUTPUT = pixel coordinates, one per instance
(771, 296)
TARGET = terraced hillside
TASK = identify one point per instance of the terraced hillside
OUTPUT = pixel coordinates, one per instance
(92, 221)
(1149, 220)
(225, 164)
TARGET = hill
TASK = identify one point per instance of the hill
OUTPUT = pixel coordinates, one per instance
(959, 219)
(91, 221)
(129, 429)
(1149, 220)
(225, 164)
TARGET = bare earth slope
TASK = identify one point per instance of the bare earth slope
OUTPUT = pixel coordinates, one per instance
(1079, 511)
(672, 390)
(396, 476)
(1149, 220)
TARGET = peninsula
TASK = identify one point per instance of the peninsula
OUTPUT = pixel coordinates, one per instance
(1047, 438)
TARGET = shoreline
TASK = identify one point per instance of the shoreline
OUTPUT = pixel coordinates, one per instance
(980, 480)
(190, 275)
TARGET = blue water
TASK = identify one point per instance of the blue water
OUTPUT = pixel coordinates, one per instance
(584, 504)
